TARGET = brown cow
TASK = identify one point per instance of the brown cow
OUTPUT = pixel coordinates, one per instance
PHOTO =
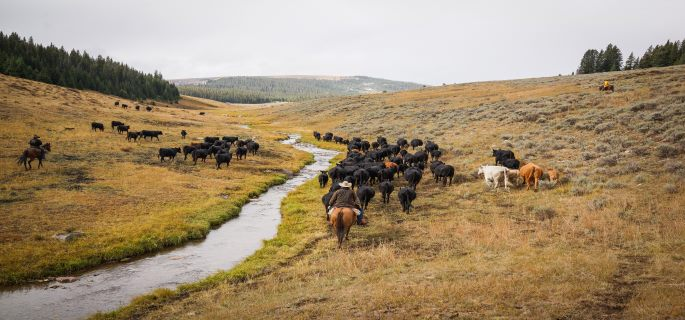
(553, 175)
(389, 165)
(531, 173)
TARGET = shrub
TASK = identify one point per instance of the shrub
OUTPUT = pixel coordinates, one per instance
(604, 127)
(614, 185)
(598, 203)
(543, 213)
(640, 178)
(671, 166)
(666, 151)
(641, 151)
(670, 188)
(608, 161)
(602, 147)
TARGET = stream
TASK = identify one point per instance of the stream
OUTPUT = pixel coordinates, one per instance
(113, 285)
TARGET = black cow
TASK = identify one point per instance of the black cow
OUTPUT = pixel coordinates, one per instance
(132, 135)
(223, 157)
(150, 133)
(229, 139)
(116, 124)
(122, 128)
(366, 146)
(402, 142)
(365, 194)
(511, 163)
(434, 165)
(382, 141)
(386, 189)
(168, 153)
(323, 179)
(413, 177)
(124, 105)
(444, 172)
(199, 154)
(116, 103)
(96, 125)
(501, 155)
(241, 153)
(361, 177)
(211, 139)
(137, 108)
(435, 154)
(338, 139)
(252, 147)
(328, 136)
(188, 150)
(387, 174)
(406, 196)
(148, 108)
(325, 199)
(416, 143)
(317, 135)
(375, 145)
(202, 113)
(183, 134)
(430, 146)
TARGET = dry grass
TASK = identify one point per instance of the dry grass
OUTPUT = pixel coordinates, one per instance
(115, 191)
(608, 241)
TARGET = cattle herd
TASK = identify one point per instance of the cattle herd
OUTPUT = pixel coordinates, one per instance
(218, 148)
(378, 162)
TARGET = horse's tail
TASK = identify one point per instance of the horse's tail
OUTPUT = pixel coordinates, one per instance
(340, 227)
(22, 158)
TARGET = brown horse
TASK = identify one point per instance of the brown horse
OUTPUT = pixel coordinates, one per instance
(33, 153)
(342, 220)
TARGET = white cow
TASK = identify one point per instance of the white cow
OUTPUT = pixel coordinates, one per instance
(494, 175)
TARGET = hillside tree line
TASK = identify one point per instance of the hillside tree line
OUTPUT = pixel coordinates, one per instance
(611, 58)
(25, 59)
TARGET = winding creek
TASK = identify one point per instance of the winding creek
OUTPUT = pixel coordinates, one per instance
(112, 286)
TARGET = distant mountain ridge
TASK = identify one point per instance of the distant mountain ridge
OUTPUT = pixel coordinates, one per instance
(262, 89)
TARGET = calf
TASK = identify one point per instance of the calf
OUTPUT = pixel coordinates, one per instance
(553, 175)
(413, 177)
(531, 174)
(241, 153)
(386, 189)
(122, 128)
(501, 155)
(132, 135)
(168, 153)
(365, 194)
(95, 126)
(493, 175)
(406, 196)
(444, 172)
(116, 124)
(223, 157)
(183, 134)
(323, 179)
(199, 154)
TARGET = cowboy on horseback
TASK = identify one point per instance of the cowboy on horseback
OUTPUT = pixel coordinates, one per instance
(606, 84)
(35, 142)
(345, 197)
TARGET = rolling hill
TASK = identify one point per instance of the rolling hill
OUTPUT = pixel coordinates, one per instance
(286, 88)
(606, 242)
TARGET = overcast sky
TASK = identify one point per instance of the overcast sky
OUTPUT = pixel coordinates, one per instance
(429, 42)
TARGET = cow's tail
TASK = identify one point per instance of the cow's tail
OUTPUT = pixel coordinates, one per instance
(22, 158)
(340, 227)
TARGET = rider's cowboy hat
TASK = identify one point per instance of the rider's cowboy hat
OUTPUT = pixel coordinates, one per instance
(346, 184)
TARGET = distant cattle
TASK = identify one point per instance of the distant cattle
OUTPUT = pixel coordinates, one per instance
(416, 143)
(168, 153)
(188, 150)
(406, 196)
(241, 153)
(328, 136)
(151, 134)
(229, 139)
(435, 154)
(116, 103)
(386, 189)
(122, 128)
(132, 135)
(211, 139)
(95, 126)
(444, 172)
(199, 154)
(531, 174)
(501, 155)
(431, 146)
(361, 177)
(365, 194)
(148, 108)
(494, 175)
(317, 135)
(202, 113)
(183, 134)
(116, 124)
(511, 163)
(323, 179)
(434, 165)
(223, 157)
(252, 147)
(553, 175)
(137, 108)
(402, 142)
(338, 139)
(125, 106)
(413, 177)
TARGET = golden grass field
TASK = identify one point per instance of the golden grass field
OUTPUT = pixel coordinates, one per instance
(117, 192)
(608, 241)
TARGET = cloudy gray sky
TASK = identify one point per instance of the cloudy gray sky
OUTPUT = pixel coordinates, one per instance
(426, 41)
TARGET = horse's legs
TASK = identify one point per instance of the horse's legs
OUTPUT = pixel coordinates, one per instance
(40, 162)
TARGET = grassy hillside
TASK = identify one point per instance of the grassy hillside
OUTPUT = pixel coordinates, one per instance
(286, 88)
(606, 242)
(116, 192)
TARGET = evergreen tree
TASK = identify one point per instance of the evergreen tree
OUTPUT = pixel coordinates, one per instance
(588, 62)
(630, 62)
